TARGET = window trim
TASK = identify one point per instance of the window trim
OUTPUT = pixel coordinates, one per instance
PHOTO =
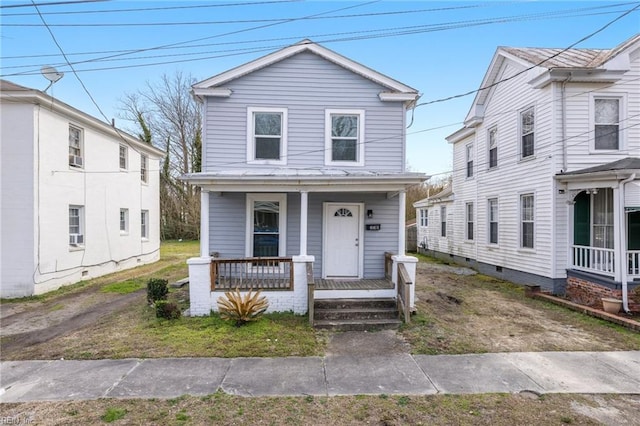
(124, 158)
(492, 129)
(76, 161)
(144, 224)
(443, 222)
(144, 168)
(282, 220)
(328, 146)
(521, 135)
(521, 221)
(424, 218)
(469, 157)
(124, 230)
(469, 217)
(622, 109)
(496, 221)
(81, 226)
(251, 143)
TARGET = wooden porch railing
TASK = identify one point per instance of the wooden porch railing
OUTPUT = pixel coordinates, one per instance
(633, 259)
(404, 293)
(311, 287)
(264, 273)
(388, 265)
(594, 259)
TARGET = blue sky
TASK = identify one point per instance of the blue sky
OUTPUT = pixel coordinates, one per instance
(440, 48)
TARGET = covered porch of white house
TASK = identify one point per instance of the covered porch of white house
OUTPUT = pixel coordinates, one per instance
(286, 276)
(604, 231)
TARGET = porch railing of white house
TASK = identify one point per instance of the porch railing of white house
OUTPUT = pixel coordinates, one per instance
(594, 259)
(633, 257)
(264, 273)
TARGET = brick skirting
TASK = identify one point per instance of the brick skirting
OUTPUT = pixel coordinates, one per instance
(587, 293)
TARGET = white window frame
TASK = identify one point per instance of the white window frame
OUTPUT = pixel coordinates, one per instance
(492, 143)
(443, 221)
(123, 157)
(124, 221)
(424, 218)
(469, 215)
(469, 160)
(282, 222)
(144, 168)
(76, 152)
(523, 220)
(251, 142)
(144, 224)
(360, 141)
(521, 135)
(491, 219)
(622, 111)
(80, 234)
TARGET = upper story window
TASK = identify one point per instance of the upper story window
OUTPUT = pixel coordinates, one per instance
(469, 157)
(606, 124)
(267, 135)
(492, 206)
(469, 219)
(344, 137)
(443, 221)
(76, 147)
(492, 143)
(527, 125)
(123, 157)
(144, 166)
(76, 226)
(424, 217)
(527, 221)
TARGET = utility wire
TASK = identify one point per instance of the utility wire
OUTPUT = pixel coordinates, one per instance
(53, 3)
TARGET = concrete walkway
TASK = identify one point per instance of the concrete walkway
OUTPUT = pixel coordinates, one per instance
(540, 372)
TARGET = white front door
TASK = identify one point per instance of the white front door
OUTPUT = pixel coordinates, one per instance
(342, 240)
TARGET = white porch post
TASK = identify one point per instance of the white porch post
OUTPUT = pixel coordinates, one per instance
(304, 206)
(618, 219)
(204, 223)
(402, 199)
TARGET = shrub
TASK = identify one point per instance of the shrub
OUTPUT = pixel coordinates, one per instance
(167, 310)
(242, 309)
(157, 290)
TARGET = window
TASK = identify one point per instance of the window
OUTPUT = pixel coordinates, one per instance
(493, 220)
(443, 221)
(266, 225)
(76, 226)
(606, 121)
(526, 132)
(144, 164)
(267, 135)
(469, 150)
(123, 157)
(144, 224)
(76, 158)
(424, 217)
(493, 147)
(527, 216)
(602, 200)
(469, 219)
(344, 137)
(124, 221)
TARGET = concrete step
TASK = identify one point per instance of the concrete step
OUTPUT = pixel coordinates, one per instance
(358, 325)
(356, 313)
(354, 303)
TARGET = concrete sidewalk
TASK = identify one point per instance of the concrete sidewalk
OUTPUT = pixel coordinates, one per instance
(541, 372)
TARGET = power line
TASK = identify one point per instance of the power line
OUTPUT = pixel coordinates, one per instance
(53, 3)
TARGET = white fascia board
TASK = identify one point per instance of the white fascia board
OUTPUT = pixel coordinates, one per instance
(216, 92)
(582, 179)
(575, 75)
(461, 134)
(397, 97)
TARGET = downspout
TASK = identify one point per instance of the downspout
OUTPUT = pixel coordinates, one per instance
(623, 238)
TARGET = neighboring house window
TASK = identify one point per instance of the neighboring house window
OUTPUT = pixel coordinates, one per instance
(424, 217)
(527, 121)
(344, 137)
(266, 225)
(144, 224)
(606, 121)
(493, 147)
(76, 158)
(469, 149)
(144, 165)
(123, 157)
(493, 220)
(527, 215)
(76, 225)
(469, 219)
(443, 221)
(267, 135)
(603, 218)
(124, 221)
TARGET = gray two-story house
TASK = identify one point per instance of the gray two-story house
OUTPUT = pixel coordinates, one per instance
(303, 180)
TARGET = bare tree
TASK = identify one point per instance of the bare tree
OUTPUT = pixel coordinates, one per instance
(418, 192)
(165, 115)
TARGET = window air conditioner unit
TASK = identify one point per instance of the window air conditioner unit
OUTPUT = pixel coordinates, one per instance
(76, 239)
(75, 160)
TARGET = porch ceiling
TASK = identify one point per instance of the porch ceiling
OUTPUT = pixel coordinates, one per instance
(295, 180)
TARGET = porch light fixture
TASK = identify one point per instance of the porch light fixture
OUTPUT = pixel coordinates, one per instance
(369, 214)
(593, 191)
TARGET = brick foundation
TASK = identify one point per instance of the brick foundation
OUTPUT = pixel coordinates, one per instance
(587, 293)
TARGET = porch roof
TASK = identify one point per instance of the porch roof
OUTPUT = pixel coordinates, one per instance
(616, 169)
(312, 180)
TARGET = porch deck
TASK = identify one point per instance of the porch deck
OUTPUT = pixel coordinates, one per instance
(363, 284)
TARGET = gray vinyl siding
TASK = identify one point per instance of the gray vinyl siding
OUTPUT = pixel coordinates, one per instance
(227, 224)
(306, 85)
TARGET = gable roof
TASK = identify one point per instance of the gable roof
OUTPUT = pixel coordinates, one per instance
(307, 46)
(553, 64)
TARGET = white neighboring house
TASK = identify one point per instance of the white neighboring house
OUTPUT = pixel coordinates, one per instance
(547, 172)
(79, 198)
(434, 219)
